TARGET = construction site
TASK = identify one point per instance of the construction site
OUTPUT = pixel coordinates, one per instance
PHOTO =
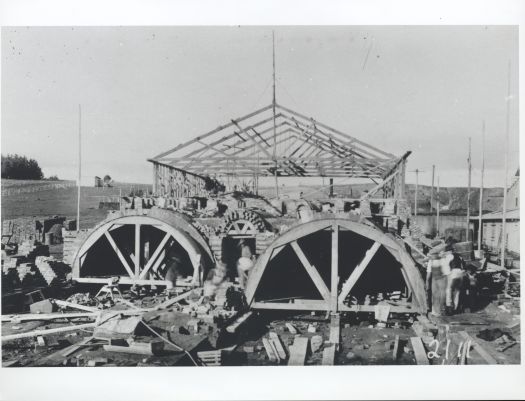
(218, 263)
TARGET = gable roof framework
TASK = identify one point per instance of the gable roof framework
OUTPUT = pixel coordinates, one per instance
(298, 146)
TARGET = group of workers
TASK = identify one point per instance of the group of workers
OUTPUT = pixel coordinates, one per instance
(448, 282)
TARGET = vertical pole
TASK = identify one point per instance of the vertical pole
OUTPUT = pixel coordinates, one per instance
(504, 216)
(79, 164)
(438, 206)
(335, 267)
(480, 212)
(137, 250)
(331, 192)
(468, 190)
(432, 190)
(415, 193)
(274, 125)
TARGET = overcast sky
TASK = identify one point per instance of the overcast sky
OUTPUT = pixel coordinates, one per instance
(145, 89)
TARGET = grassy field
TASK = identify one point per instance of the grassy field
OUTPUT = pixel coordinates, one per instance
(49, 198)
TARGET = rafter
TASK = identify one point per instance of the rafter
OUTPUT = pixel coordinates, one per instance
(306, 147)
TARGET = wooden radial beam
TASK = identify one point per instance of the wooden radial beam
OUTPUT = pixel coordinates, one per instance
(312, 271)
(358, 271)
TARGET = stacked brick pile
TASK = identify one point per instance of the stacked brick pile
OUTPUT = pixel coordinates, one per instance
(72, 242)
(25, 274)
(52, 271)
(31, 249)
(21, 228)
(263, 241)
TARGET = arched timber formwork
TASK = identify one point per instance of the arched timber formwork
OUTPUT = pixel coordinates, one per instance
(333, 289)
(139, 243)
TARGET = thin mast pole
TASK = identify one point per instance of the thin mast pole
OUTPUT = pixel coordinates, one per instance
(432, 191)
(274, 124)
(504, 216)
(468, 190)
(415, 193)
(79, 164)
(438, 206)
(480, 223)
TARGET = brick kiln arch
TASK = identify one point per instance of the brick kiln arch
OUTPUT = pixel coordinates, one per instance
(333, 289)
(133, 260)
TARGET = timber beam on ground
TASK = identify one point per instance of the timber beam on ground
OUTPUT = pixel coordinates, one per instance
(324, 306)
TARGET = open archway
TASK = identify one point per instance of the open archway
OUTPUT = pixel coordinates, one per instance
(324, 264)
(135, 247)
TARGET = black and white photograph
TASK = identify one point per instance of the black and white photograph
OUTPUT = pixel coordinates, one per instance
(271, 196)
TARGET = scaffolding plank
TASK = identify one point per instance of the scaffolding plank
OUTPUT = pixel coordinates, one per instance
(298, 351)
(419, 351)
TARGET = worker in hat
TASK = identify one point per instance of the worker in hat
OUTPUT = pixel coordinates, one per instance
(244, 263)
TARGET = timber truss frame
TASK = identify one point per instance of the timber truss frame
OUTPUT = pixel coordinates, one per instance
(276, 140)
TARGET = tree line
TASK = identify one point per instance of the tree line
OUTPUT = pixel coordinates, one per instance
(20, 168)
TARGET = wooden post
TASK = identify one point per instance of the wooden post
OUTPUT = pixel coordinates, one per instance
(504, 214)
(137, 250)
(415, 193)
(438, 206)
(468, 190)
(79, 164)
(274, 126)
(480, 212)
(335, 267)
(432, 191)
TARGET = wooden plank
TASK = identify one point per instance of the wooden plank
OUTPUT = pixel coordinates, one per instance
(36, 333)
(281, 353)
(395, 352)
(232, 328)
(419, 351)
(73, 348)
(47, 316)
(298, 351)
(335, 329)
(169, 302)
(137, 250)
(356, 273)
(321, 306)
(329, 355)
(335, 267)
(75, 306)
(119, 254)
(272, 356)
(312, 271)
(129, 280)
(479, 349)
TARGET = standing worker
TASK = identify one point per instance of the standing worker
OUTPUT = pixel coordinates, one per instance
(245, 263)
(456, 283)
(436, 283)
